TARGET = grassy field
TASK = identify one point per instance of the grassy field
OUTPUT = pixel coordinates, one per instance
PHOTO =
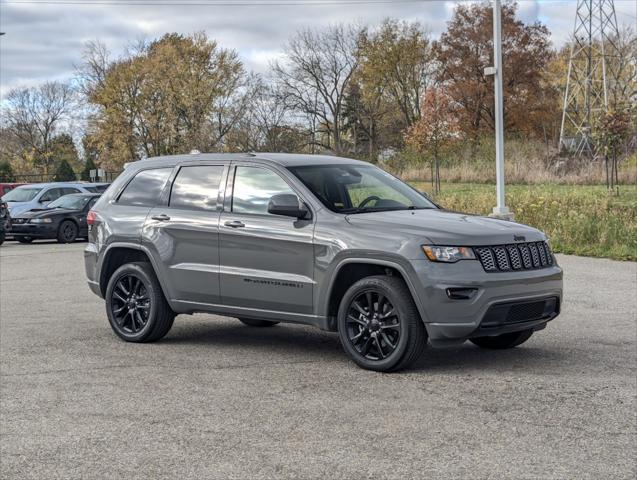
(578, 219)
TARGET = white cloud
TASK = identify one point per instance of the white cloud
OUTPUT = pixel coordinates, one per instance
(45, 42)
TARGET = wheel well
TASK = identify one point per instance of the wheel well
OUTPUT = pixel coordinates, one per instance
(346, 277)
(115, 258)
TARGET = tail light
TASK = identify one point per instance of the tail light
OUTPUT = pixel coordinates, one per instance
(92, 218)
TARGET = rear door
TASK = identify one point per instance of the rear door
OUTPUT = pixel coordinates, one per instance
(267, 261)
(185, 233)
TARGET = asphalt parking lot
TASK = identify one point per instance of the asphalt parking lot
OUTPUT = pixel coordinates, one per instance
(217, 399)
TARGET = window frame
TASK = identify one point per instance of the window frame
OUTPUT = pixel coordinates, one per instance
(229, 191)
(220, 190)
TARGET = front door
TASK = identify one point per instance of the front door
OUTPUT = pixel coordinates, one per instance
(267, 261)
(185, 234)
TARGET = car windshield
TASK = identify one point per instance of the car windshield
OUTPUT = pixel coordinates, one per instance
(71, 202)
(359, 189)
(21, 194)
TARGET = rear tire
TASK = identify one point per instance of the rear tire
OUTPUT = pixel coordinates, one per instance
(252, 322)
(135, 304)
(67, 232)
(379, 325)
(504, 341)
(23, 239)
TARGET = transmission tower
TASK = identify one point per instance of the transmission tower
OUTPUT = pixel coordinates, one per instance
(591, 74)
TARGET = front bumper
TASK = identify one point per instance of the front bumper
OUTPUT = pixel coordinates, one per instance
(35, 230)
(450, 321)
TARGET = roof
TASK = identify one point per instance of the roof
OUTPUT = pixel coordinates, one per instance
(283, 159)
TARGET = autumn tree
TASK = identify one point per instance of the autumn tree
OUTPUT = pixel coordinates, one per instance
(435, 130)
(63, 149)
(169, 96)
(33, 116)
(613, 131)
(466, 48)
(313, 78)
(396, 61)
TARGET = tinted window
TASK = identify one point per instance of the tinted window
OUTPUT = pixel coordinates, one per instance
(53, 194)
(359, 188)
(196, 187)
(145, 188)
(253, 188)
(69, 190)
(97, 188)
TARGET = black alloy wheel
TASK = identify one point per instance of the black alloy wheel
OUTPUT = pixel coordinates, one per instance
(373, 325)
(130, 304)
(135, 304)
(379, 325)
(67, 232)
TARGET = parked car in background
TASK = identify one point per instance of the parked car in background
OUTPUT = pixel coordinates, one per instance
(5, 221)
(7, 187)
(64, 219)
(39, 195)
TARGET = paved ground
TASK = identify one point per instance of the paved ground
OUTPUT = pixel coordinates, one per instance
(217, 399)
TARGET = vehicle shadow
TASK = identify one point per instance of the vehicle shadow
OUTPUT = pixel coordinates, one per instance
(285, 337)
(320, 345)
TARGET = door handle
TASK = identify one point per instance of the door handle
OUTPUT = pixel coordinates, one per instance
(162, 218)
(234, 224)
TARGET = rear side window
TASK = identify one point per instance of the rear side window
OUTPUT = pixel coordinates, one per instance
(144, 190)
(196, 188)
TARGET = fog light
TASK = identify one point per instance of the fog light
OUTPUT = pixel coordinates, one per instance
(461, 293)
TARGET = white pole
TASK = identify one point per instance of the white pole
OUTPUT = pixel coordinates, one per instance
(500, 210)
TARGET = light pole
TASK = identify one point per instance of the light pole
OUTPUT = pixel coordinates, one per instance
(500, 210)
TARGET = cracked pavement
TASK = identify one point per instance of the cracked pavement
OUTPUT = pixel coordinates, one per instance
(217, 399)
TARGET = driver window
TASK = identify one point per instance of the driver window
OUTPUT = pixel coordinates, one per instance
(253, 188)
(52, 194)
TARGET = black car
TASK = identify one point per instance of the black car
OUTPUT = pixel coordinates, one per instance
(5, 221)
(64, 219)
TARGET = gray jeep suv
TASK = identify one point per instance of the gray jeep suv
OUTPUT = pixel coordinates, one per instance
(331, 242)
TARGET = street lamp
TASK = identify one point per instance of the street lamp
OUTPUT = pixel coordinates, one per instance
(500, 210)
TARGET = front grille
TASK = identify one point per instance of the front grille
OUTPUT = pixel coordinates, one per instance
(515, 256)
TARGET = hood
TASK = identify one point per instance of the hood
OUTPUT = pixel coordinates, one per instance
(46, 212)
(15, 207)
(442, 227)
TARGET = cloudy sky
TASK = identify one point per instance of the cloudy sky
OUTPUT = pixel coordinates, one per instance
(44, 38)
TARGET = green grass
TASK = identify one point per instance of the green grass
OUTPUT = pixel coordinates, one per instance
(579, 220)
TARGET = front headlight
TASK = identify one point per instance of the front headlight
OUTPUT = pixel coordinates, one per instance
(40, 220)
(448, 254)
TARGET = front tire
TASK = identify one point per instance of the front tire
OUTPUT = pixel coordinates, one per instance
(67, 232)
(504, 341)
(252, 322)
(135, 304)
(379, 325)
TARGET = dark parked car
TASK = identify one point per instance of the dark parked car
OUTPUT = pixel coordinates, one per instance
(5, 221)
(64, 219)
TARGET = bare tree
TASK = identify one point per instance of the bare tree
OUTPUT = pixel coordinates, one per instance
(34, 115)
(315, 74)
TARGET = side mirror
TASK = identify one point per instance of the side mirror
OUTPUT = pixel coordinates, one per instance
(44, 200)
(287, 205)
